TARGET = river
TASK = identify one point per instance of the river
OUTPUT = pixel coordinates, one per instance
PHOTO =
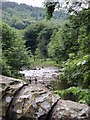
(46, 75)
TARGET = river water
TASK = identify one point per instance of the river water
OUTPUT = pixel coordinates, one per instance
(46, 75)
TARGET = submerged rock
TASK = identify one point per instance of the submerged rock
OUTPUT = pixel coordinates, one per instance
(21, 101)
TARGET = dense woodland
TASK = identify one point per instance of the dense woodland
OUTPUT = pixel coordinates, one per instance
(28, 37)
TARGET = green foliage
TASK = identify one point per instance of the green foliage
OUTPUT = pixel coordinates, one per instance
(31, 35)
(38, 54)
(16, 23)
(76, 94)
(37, 37)
(5, 67)
(44, 39)
(14, 52)
(50, 7)
(56, 48)
(84, 40)
(63, 42)
(71, 46)
(76, 72)
(40, 62)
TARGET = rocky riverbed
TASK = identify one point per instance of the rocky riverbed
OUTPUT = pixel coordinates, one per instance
(45, 75)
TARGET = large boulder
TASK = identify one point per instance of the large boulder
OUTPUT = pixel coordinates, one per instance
(22, 101)
(25, 101)
(8, 88)
(69, 110)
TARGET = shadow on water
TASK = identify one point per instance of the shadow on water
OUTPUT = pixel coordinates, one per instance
(59, 85)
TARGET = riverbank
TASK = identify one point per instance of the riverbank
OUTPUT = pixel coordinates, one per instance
(43, 63)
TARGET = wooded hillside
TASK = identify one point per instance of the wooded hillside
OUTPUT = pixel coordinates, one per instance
(20, 16)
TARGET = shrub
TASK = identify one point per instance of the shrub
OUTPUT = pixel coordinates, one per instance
(76, 72)
(75, 94)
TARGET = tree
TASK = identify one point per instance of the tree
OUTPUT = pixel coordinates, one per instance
(71, 45)
(38, 35)
(63, 42)
(44, 39)
(14, 52)
(84, 31)
(31, 35)
(56, 46)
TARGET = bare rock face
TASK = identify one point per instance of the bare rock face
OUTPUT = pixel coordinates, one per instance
(8, 89)
(69, 110)
(21, 101)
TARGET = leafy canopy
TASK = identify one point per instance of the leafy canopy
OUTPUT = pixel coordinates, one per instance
(14, 52)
